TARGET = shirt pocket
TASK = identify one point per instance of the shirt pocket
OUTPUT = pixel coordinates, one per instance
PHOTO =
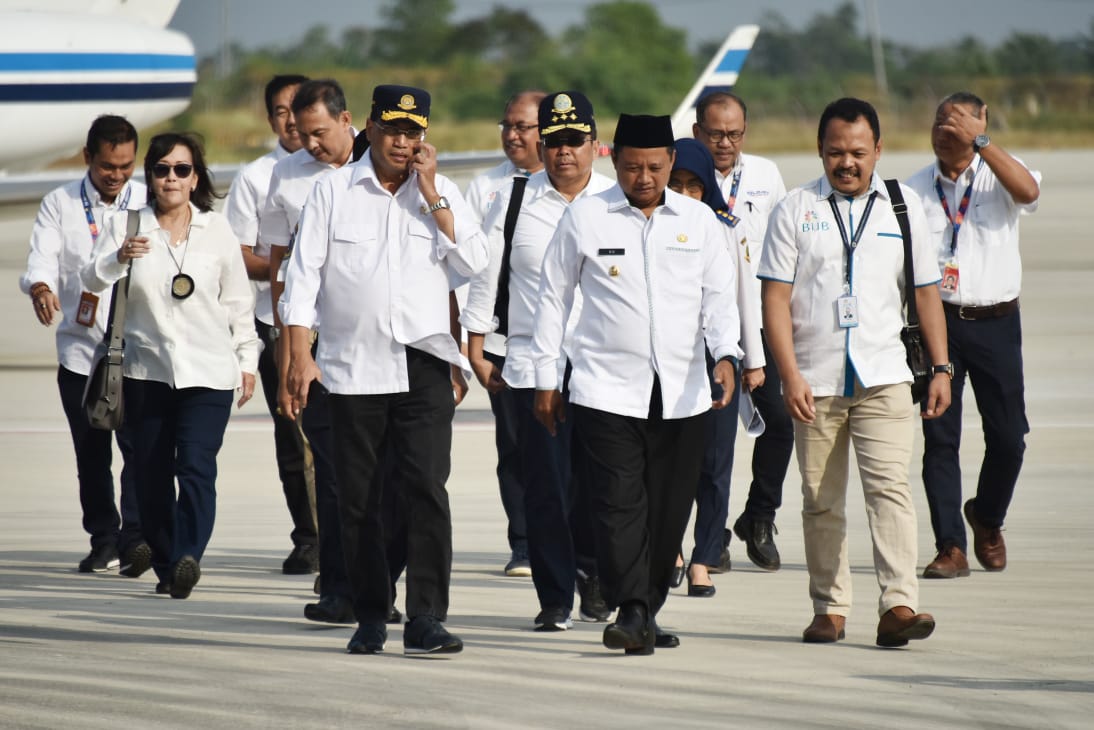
(991, 217)
(350, 244)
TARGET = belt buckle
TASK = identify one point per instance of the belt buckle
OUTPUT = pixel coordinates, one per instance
(961, 313)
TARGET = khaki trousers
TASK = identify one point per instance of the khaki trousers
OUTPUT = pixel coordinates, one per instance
(878, 422)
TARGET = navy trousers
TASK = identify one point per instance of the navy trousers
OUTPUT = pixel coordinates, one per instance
(989, 353)
(503, 404)
(177, 434)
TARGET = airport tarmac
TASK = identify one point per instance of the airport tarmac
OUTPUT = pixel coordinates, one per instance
(1012, 649)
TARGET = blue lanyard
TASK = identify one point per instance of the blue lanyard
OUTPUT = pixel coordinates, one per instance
(91, 224)
(962, 208)
(850, 244)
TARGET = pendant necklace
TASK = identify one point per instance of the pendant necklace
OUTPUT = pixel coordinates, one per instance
(182, 285)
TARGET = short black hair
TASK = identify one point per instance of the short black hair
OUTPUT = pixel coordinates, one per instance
(276, 84)
(849, 109)
(718, 98)
(965, 98)
(161, 145)
(320, 91)
(110, 129)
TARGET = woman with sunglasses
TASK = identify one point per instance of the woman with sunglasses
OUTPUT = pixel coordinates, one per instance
(190, 343)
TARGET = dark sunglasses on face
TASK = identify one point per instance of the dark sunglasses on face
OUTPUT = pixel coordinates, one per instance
(182, 170)
(558, 139)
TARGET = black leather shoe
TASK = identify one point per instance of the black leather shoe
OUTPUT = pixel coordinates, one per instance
(368, 639)
(331, 609)
(303, 559)
(163, 588)
(663, 639)
(184, 576)
(678, 573)
(631, 630)
(700, 591)
(758, 536)
(592, 606)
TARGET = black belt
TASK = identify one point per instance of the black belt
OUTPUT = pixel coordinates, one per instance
(988, 311)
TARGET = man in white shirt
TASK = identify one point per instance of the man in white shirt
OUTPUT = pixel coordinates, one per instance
(974, 194)
(658, 289)
(246, 199)
(326, 135)
(834, 248)
(378, 245)
(752, 186)
(68, 223)
(519, 128)
(519, 226)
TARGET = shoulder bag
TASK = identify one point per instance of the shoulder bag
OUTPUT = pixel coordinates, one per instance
(910, 335)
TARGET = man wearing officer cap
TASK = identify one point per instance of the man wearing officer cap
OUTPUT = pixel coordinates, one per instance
(377, 244)
(502, 298)
(659, 288)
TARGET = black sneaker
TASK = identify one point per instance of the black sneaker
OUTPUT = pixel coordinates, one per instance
(331, 609)
(100, 559)
(426, 635)
(136, 560)
(553, 619)
(184, 576)
(368, 639)
(759, 537)
(518, 565)
(302, 560)
(592, 607)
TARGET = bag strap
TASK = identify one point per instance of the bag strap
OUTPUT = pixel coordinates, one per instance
(116, 325)
(900, 209)
(501, 300)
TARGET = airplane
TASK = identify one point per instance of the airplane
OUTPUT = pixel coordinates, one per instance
(721, 74)
(65, 62)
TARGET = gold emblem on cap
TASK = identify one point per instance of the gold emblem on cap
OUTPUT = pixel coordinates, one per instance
(407, 102)
(613, 270)
(682, 238)
(563, 103)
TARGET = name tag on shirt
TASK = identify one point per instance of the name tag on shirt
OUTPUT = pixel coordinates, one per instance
(611, 252)
(89, 305)
(847, 311)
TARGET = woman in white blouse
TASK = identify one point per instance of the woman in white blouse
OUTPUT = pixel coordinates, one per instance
(190, 343)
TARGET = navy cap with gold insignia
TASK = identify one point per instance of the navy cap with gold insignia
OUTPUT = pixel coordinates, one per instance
(644, 131)
(390, 102)
(566, 110)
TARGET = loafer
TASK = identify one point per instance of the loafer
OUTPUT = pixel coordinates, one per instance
(136, 561)
(368, 639)
(987, 542)
(592, 607)
(827, 628)
(759, 540)
(678, 573)
(101, 559)
(303, 559)
(900, 624)
(427, 635)
(631, 630)
(949, 563)
(331, 609)
(184, 576)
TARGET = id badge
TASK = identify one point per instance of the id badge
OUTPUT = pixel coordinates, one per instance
(950, 278)
(847, 310)
(89, 306)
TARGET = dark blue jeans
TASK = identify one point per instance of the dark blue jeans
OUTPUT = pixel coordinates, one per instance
(510, 484)
(989, 353)
(177, 434)
(94, 455)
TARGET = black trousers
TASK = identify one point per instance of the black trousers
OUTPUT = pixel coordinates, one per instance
(416, 427)
(316, 423)
(642, 477)
(503, 405)
(289, 448)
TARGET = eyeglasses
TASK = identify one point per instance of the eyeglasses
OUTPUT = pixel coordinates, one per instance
(390, 130)
(519, 128)
(717, 135)
(182, 170)
(692, 186)
(562, 139)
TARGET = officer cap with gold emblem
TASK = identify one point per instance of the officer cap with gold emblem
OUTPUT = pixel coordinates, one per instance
(566, 110)
(391, 102)
(643, 131)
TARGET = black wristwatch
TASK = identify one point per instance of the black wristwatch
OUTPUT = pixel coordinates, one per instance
(732, 361)
(939, 369)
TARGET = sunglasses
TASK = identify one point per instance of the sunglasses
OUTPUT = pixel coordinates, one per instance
(561, 139)
(390, 130)
(182, 170)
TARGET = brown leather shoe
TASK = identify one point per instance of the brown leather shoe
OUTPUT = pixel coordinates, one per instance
(827, 628)
(901, 624)
(987, 542)
(949, 563)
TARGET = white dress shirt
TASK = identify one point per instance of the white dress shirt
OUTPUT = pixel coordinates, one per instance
(540, 212)
(804, 248)
(376, 268)
(60, 247)
(748, 300)
(206, 340)
(988, 260)
(291, 181)
(760, 190)
(244, 208)
(649, 286)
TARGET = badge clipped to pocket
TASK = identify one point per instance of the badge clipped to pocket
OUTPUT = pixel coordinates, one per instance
(847, 311)
(89, 306)
(950, 278)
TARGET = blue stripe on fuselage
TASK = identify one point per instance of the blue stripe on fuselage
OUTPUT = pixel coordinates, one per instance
(44, 62)
(733, 60)
(93, 92)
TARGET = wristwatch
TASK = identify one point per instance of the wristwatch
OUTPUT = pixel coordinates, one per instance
(441, 204)
(981, 141)
(939, 369)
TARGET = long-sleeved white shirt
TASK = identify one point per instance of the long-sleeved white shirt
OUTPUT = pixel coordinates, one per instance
(206, 340)
(376, 269)
(540, 212)
(60, 247)
(243, 209)
(649, 286)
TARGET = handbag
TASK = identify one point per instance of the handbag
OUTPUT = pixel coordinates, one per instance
(102, 401)
(914, 347)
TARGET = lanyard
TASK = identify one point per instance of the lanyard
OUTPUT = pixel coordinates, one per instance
(91, 224)
(850, 244)
(733, 190)
(962, 208)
